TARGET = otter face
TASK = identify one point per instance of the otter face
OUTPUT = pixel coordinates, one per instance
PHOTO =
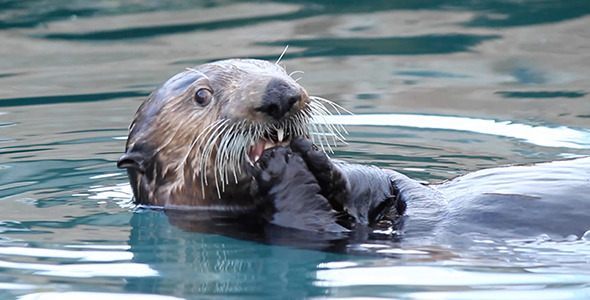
(190, 139)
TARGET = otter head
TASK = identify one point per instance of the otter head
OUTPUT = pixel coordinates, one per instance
(191, 138)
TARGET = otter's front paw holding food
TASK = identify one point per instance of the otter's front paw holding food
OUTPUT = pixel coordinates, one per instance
(333, 184)
(291, 186)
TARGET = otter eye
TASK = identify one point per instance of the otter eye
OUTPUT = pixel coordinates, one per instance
(203, 96)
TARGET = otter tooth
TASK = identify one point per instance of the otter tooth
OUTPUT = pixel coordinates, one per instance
(269, 144)
(280, 134)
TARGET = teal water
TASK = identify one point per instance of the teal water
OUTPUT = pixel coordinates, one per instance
(438, 89)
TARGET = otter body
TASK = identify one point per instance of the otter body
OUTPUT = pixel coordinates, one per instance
(234, 136)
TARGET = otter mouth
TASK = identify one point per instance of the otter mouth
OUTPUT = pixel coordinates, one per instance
(271, 139)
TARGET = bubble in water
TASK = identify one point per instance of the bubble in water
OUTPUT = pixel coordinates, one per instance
(586, 236)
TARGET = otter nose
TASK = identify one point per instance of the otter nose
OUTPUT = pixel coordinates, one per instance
(278, 98)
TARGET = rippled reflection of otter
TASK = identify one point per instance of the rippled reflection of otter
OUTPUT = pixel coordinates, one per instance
(233, 136)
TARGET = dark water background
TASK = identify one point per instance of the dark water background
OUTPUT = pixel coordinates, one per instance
(486, 83)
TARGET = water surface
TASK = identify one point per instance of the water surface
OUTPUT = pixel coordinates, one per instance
(438, 88)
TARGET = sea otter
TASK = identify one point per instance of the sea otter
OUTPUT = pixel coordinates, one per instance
(238, 136)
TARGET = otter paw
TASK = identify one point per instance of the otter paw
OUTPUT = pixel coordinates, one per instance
(332, 181)
(287, 193)
(317, 161)
(269, 170)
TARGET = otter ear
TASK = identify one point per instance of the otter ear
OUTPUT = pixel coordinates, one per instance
(132, 160)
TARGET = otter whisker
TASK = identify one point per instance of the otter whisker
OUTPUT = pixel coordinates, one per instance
(251, 140)
(208, 147)
(203, 142)
(323, 125)
(303, 118)
(323, 129)
(334, 105)
(291, 128)
(192, 146)
(233, 142)
(336, 108)
(320, 112)
(282, 54)
(295, 72)
(228, 161)
(237, 148)
(238, 153)
(198, 72)
(203, 166)
(222, 176)
(314, 128)
(218, 171)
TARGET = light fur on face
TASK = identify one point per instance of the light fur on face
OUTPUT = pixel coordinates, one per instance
(222, 147)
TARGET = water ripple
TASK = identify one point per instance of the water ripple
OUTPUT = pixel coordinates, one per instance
(542, 94)
(559, 136)
(412, 45)
(417, 276)
(70, 98)
(94, 296)
(84, 270)
(100, 256)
